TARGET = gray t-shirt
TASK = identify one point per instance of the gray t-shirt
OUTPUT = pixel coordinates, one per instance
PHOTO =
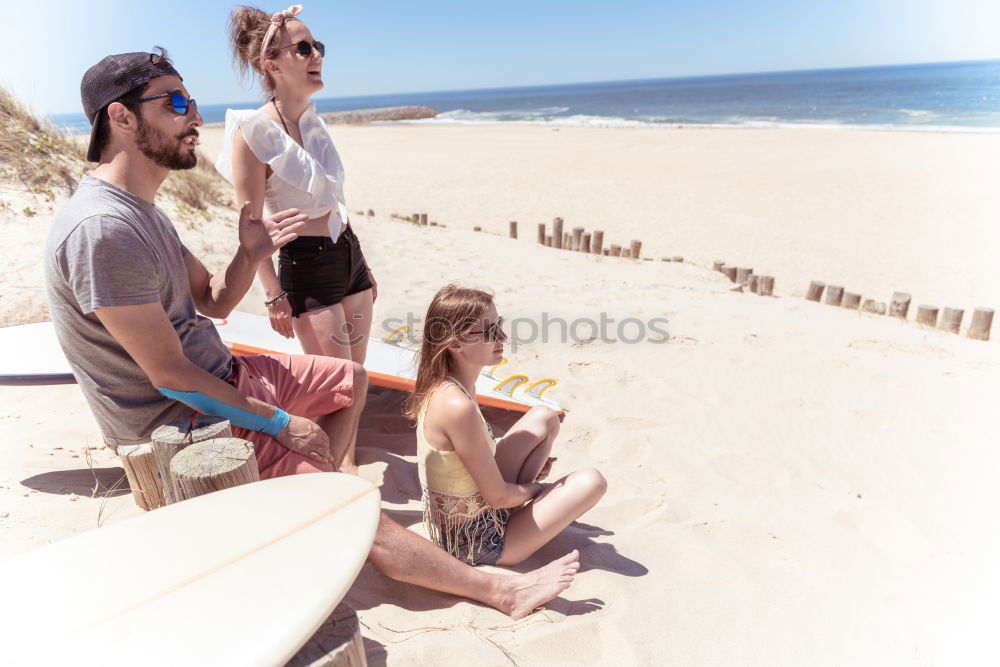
(109, 248)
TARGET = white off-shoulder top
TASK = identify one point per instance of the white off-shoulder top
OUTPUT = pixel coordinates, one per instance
(309, 177)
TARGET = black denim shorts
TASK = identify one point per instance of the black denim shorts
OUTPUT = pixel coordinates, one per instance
(318, 272)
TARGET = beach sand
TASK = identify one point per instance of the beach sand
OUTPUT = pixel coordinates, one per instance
(789, 482)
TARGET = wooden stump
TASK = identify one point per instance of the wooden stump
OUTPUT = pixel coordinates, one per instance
(730, 272)
(585, 242)
(567, 239)
(170, 439)
(337, 643)
(616, 250)
(679, 259)
(743, 275)
(557, 232)
(626, 252)
(766, 286)
(815, 291)
(415, 218)
(433, 224)
(927, 315)
(982, 321)
(577, 239)
(548, 241)
(851, 300)
(717, 265)
(597, 242)
(834, 295)
(139, 462)
(636, 248)
(900, 305)
(423, 219)
(541, 233)
(606, 252)
(213, 465)
(951, 319)
(752, 283)
(513, 229)
(370, 214)
(477, 228)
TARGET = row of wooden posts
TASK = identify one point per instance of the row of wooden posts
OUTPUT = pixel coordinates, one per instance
(580, 240)
(190, 458)
(947, 319)
(745, 278)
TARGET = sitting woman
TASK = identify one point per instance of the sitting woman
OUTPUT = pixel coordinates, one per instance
(483, 499)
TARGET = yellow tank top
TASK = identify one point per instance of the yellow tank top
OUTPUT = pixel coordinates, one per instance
(451, 496)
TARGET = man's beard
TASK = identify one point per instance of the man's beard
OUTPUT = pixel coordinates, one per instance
(165, 150)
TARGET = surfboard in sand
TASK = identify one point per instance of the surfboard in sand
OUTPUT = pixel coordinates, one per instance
(39, 360)
(243, 576)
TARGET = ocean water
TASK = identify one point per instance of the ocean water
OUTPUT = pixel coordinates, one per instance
(962, 97)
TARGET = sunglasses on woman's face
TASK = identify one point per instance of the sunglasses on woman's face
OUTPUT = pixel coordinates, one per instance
(305, 48)
(492, 332)
(178, 102)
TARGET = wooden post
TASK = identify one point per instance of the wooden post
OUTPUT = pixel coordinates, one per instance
(753, 282)
(680, 260)
(423, 219)
(566, 240)
(213, 465)
(606, 252)
(982, 320)
(899, 305)
(927, 315)
(548, 241)
(415, 218)
(743, 275)
(815, 291)
(513, 229)
(717, 265)
(541, 233)
(477, 228)
(337, 643)
(636, 248)
(951, 319)
(851, 300)
(834, 295)
(616, 250)
(170, 439)
(370, 214)
(730, 272)
(585, 242)
(597, 242)
(557, 232)
(433, 224)
(577, 238)
(766, 286)
(143, 477)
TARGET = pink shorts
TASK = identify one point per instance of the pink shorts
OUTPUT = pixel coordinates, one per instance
(301, 385)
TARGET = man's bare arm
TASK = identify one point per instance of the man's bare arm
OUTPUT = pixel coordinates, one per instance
(147, 335)
(217, 295)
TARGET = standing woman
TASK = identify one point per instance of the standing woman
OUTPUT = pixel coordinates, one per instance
(281, 156)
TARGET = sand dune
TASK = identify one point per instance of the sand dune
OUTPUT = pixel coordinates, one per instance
(789, 483)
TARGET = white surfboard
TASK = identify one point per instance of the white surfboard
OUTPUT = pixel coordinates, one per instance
(39, 360)
(243, 576)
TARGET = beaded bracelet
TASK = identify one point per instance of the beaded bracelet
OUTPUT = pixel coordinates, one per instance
(268, 304)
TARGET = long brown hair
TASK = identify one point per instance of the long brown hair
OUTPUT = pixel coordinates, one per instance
(247, 27)
(454, 311)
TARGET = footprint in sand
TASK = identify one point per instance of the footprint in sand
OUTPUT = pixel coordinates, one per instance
(751, 470)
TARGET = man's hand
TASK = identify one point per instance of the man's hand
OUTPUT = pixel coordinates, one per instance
(307, 438)
(259, 239)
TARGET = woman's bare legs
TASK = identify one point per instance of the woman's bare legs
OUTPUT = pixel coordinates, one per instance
(319, 332)
(523, 451)
(358, 323)
(549, 513)
(403, 555)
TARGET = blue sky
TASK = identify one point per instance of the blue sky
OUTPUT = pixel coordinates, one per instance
(396, 47)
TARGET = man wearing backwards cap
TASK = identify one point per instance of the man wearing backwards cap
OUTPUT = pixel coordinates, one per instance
(123, 292)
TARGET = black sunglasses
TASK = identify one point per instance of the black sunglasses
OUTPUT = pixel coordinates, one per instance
(178, 102)
(493, 331)
(305, 48)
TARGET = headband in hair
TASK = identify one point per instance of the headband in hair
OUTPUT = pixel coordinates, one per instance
(277, 20)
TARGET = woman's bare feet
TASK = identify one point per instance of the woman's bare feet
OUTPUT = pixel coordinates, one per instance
(521, 594)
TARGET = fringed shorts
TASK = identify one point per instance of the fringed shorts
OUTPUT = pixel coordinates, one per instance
(480, 541)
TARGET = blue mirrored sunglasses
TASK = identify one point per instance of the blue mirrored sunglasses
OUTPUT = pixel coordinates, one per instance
(178, 102)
